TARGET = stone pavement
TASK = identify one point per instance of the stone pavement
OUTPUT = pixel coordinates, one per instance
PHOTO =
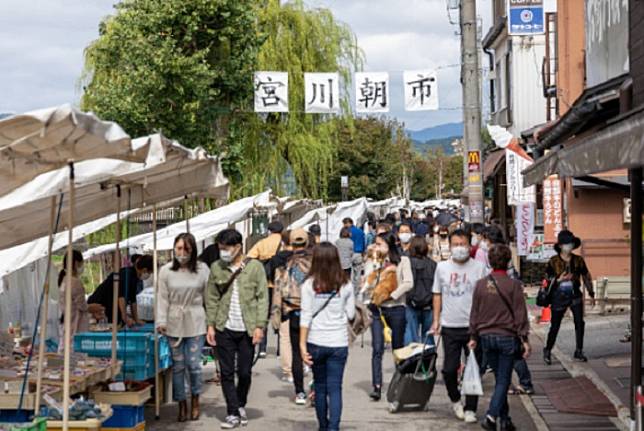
(271, 406)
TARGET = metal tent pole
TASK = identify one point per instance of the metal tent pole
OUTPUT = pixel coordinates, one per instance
(117, 276)
(155, 256)
(68, 300)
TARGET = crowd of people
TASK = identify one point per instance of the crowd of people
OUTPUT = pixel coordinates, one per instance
(407, 278)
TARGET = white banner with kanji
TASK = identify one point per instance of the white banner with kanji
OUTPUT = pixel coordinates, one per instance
(517, 192)
(271, 91)
(321, 93)
(421, 90)
(524, 223)
(372, 92)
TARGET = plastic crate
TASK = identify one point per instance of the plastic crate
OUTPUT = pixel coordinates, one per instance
(146, 327)
(15, 416)
(142, 372)
(125, 417)
(39, 424)
(99, 344)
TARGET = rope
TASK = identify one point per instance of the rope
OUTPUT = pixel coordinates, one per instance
(42, 297)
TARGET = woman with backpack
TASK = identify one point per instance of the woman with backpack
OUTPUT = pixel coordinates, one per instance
(328, 304)
(419, 300)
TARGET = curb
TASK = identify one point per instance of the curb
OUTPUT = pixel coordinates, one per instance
(623, 420)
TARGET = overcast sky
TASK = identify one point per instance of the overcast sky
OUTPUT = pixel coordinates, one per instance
(42, 42)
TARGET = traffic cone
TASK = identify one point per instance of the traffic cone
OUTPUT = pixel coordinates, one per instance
(546, 314)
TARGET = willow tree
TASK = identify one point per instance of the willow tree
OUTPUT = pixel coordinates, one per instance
(297, 40)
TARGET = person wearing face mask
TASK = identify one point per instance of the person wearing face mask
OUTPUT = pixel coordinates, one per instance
(181, 316)
(477, 234)
(237, 315)
(454, 283)
(405, 235)
(392, 309)
(129, 280)
(81, 311)
(567, 271)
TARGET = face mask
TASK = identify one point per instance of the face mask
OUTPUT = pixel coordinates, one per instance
(484, 245)
(475, 240)
(145, 276)
(404, 237)
(460, 253)
(566, 248)
(183, 259)
(227, 255)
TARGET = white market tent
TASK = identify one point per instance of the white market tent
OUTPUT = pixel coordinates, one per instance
(48, 139)
(203, 226)
(330, 217)
(170, 171)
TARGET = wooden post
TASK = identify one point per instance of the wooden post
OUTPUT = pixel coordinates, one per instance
(43, 330)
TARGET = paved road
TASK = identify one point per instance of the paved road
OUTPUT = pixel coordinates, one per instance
(271, 407)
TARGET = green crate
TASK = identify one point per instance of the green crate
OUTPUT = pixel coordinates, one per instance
(39, 424)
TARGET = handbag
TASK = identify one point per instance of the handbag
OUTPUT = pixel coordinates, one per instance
(521, 350)
(543, 296)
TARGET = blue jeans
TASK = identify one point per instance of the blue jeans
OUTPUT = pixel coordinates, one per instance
(525, 378)
(500, 353)
(415, 319)
(328, 369)
(186, 356)
(395, 318)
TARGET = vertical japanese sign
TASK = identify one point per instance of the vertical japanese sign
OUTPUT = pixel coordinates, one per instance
(474, 172)
(321, 93)
(372, 92)
(421, 90)
(552, 209)
(271, 91)
(525, 17)
(524, 223)
(516, 190)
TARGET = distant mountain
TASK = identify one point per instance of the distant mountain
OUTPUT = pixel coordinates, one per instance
(442, 131)
(444, 143)
(5, 115)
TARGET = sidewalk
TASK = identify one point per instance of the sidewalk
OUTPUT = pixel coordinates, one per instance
(608, 368)
(271, 407)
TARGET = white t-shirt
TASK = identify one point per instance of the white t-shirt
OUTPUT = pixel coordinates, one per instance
(455, 282)
(235, 320)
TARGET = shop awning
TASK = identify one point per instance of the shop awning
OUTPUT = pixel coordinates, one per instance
(40, 141)
(492, 163)
(171, 171)
(620, 145)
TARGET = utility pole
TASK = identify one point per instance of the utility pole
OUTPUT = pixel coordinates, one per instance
(470, 80)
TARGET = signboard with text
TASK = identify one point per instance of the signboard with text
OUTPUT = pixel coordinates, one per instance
(525, 17)
(552, 209)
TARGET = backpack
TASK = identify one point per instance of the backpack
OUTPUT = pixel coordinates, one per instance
(288, 281)
(421, 295)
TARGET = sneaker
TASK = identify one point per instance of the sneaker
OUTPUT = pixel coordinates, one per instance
(458, 410)
(230, 423)
(507, 425)
(243, 417)
(287, 379)
(547, 358)
(488, 423)
(469, 417)
(262, 355)
(375, 394)
(300, 399)
(579, 356)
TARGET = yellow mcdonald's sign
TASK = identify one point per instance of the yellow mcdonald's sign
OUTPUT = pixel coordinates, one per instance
(474, 157)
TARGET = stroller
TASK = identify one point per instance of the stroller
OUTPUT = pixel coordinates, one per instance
(415, 376)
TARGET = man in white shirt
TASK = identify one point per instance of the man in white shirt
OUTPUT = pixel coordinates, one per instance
(454, 283)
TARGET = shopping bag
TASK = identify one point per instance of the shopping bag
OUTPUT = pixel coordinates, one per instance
(471, 383)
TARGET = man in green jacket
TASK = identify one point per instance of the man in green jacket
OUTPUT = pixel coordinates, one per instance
(237, 310)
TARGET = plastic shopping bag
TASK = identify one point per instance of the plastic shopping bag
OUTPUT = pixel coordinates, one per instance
(386, 330)
(471, 383)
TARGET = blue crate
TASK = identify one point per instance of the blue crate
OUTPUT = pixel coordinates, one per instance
(143, 372)
(15, 416)
(125, 417)
(99, 344)
(146, 327)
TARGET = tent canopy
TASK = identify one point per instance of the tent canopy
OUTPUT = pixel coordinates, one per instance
(171, 171)
(330, 217)
(203, 226)
(48, 139)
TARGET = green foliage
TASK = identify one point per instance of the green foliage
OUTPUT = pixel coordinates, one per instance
(375, 154)
(173, 66)
(426, 178)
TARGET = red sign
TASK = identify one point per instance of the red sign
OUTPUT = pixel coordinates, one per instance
(552, 209)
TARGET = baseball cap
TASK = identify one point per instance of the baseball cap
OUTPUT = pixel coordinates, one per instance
(299, 237)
